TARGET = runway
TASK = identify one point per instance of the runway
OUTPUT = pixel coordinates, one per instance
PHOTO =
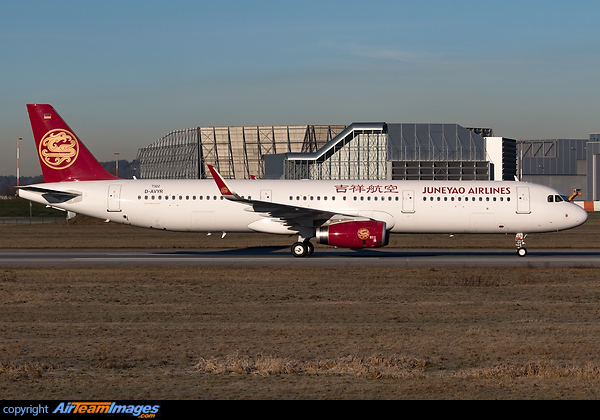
(281, 257)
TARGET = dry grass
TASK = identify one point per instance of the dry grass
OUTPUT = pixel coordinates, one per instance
(386, 367)
(188, 333)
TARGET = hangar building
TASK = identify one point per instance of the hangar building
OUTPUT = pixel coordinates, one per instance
(564, 164)
(237, 152)
(358, 151)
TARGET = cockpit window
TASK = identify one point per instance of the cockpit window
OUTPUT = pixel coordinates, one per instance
(557, 198)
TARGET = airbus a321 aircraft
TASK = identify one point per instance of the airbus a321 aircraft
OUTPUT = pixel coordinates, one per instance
(342, 213)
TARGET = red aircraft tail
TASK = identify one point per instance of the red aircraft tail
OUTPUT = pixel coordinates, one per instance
(62, 155)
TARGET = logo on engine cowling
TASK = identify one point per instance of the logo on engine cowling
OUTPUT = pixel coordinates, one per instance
(59, 149)
(363, 233)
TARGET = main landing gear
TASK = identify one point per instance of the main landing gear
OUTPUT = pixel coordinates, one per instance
(303, 249)
(520, 243)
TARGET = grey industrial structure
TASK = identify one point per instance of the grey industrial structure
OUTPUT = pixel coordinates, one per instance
(565, 164)
(396, 151)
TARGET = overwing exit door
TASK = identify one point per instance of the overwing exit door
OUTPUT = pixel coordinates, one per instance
(265, 195)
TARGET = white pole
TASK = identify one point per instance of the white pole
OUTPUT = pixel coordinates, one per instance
(18, 169)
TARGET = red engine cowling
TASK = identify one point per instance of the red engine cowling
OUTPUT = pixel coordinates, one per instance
(364, 234)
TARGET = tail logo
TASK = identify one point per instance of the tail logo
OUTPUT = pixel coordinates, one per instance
(59, 149)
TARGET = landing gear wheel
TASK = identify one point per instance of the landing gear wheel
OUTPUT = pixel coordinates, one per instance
(520, 242)
(311, 248)
(300, 249)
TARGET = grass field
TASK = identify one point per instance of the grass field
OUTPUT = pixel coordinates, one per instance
(85, 232)
(252, 333)
(271, 333)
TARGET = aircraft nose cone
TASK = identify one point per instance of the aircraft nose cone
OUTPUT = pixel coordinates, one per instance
(577, 215)
(584, 215)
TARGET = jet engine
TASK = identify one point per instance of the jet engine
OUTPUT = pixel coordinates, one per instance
(360, 234)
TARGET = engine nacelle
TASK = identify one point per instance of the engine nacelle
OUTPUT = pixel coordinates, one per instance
(363, 234)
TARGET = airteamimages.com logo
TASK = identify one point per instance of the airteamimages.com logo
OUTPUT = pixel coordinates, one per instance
(142, 411)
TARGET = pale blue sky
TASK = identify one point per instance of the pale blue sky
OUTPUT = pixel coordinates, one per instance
(125, 73)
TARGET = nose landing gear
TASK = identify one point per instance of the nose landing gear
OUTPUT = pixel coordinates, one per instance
(520, 243)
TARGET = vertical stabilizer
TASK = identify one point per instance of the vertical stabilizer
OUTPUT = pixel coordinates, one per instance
(62, 155)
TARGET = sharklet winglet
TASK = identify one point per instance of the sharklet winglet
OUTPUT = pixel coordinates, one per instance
(224, 189)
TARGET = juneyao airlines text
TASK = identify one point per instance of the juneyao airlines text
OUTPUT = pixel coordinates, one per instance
(470, 190)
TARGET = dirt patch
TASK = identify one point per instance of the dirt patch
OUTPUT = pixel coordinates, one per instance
(188, 333)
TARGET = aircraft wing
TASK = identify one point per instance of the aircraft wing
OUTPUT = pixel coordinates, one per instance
(290, 215)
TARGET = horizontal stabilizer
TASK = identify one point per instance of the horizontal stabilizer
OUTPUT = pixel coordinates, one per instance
(52, 196)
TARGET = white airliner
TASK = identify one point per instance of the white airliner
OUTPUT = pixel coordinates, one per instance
(343, 213)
